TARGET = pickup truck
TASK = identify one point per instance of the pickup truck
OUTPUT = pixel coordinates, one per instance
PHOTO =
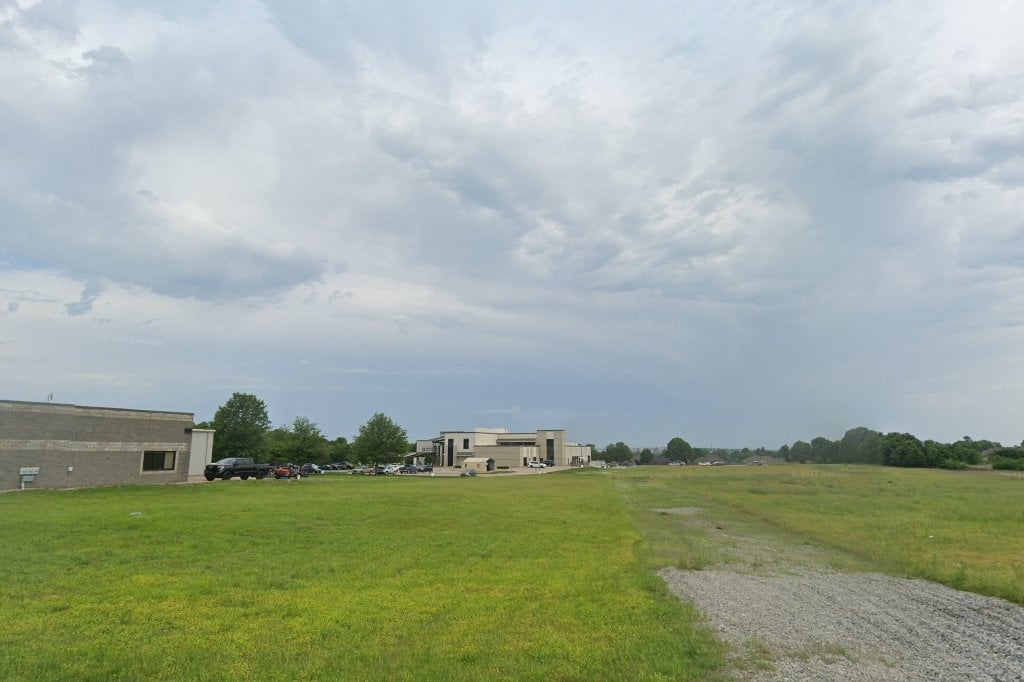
(243, 467)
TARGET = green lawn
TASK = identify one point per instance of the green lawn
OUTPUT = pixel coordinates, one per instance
(339, 577)
(961, 528)
(514, 577)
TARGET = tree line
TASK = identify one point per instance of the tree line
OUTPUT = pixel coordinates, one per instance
(860, 445)
(243, 430)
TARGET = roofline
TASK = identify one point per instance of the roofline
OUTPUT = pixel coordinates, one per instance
(92, 407)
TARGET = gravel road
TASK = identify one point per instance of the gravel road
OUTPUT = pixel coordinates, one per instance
(789, 619)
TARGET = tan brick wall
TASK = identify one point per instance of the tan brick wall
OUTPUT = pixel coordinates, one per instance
(101, 446)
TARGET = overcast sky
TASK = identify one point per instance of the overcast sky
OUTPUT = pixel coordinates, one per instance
(742, 223)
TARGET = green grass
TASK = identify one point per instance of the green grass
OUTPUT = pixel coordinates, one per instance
(340, 577)
(960, 528)
(513, 577)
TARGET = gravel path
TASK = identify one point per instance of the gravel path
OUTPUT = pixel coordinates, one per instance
(810, 623)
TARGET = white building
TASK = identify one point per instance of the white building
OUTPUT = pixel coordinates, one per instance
(508, 450)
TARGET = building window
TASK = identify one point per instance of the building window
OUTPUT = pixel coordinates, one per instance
(158, 460)
(465, 444)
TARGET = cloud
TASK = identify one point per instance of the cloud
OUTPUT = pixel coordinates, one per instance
(90, 293)
(104, 60)
(745, 221)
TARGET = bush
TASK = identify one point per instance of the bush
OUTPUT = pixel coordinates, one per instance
(1007, 464)
(952, 464)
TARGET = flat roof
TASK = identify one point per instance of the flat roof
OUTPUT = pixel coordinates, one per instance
(91, 407)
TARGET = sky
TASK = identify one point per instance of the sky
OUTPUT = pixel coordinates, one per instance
(742, 223)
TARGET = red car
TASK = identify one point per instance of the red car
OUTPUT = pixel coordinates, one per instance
(285, 471)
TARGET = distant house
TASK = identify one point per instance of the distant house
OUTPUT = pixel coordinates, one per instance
(51, 445)
(509, 450)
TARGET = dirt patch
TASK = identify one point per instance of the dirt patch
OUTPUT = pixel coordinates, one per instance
(679, 511)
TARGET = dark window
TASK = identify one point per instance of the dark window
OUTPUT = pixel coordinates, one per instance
(451, 452)
(551, 449)
(465, 444)
(158, 460)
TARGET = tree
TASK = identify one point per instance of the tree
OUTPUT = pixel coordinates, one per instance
(241, 425)
(618, 452)
(965, 451)
(338, 450)
(678, 449)
(646, 456)
(860, 445)
(279, 445)
(800, 452)
(310, 445)
(822, 449)
(379, 440)
(902, 450)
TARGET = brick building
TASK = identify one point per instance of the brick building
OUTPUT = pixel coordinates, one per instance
(50, 445)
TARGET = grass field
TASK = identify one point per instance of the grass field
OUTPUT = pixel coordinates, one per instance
(960, 528)
(517, 577)
(338, 577)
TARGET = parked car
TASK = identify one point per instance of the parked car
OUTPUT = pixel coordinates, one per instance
(343, 466)
(426, 468)
(549, 462)
(537, 465)
(408, 469)
(363, 470)
(242, 467)
(468, 472)
(391, 469)
(285, 471)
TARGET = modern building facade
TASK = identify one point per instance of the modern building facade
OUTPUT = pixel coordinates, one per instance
(508, 450)
(51, 445)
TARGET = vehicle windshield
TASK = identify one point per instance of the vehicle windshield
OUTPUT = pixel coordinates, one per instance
(226, 460)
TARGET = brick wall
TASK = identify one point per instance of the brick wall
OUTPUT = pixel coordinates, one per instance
(88, 446)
